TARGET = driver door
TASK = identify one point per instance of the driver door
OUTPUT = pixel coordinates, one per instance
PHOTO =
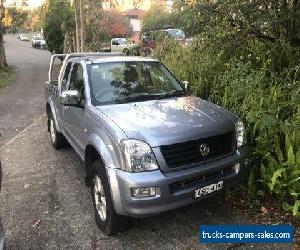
(75, 116)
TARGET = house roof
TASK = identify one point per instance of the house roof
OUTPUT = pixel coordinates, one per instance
(134, 12)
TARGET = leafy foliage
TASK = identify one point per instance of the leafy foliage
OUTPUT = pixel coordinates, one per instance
(14, 19)
(58, 21)
(248, 61)
(263, 19)
(57, 13)
(158, 18)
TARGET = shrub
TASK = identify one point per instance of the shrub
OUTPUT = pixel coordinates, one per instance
(260, 83)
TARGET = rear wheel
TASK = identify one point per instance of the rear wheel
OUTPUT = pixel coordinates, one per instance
(57, 139)
(105, 215)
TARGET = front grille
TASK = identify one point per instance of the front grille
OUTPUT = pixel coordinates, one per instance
(186, 153)
(198, 180)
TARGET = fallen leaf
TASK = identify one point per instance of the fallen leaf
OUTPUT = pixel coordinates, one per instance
(264, 210)
(36, 223)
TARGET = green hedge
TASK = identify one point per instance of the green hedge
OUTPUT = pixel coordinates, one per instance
(261, 83)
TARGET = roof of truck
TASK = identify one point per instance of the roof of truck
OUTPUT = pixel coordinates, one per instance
(105, 59)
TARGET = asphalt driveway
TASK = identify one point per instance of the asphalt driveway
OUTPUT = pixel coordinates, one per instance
(23, 100)
(44, 202)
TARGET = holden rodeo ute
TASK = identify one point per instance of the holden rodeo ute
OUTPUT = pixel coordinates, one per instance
(148, 146)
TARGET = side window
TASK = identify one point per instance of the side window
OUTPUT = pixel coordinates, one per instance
(76, 79)
(66, 76)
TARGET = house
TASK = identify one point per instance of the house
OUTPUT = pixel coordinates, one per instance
(133, 11)
(134, 17)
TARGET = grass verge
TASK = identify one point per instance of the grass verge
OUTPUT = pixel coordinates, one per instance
(6, 77)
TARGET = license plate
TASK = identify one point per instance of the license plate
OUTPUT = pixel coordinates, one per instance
(208, 189)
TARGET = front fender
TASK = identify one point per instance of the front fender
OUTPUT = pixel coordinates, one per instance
(107, 150)
(110, 156)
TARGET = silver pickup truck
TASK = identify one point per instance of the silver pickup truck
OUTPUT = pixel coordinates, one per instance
(148, 146)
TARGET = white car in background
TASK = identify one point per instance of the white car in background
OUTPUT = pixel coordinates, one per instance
(43, 44)
(36, 41)
(121, 45)
(23, 37)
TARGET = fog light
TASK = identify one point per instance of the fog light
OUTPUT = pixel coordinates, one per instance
(237, 167)
(140, 192)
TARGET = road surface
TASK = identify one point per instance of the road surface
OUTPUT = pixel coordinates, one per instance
(23, 100)
(44, 201)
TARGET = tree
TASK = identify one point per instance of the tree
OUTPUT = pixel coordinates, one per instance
(57, 16)
(267, 20)
(137, 3)
(15, 19)
(2, 51)
(157, 18)
(116, 25)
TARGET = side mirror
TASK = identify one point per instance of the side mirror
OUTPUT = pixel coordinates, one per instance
(70, 98)
(186, 85)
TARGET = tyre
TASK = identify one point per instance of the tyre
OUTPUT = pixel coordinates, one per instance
(106, 217)
(57, 139)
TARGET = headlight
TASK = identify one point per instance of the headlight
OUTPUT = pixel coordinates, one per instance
(138, 156)
(240, 133)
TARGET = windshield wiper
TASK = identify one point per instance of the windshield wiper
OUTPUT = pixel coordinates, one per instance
(145, 97)
(175, 93)
(138, 98)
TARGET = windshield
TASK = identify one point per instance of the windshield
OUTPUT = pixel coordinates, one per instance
(120, 82)
(176, 33)
(121, 41)
(38, 38)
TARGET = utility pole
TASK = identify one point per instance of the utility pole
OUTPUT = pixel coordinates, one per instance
(77, 27)
(2, 51)
(81, 27)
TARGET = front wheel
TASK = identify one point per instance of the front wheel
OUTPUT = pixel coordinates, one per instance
(57, 139)
(106, 217)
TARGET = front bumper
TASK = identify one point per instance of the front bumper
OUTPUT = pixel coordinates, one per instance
(174, 189)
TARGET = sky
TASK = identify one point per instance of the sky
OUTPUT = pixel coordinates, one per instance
(31, 3)
(35, 3)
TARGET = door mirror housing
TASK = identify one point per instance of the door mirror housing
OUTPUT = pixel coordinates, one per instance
(186, 85)
(70, 98)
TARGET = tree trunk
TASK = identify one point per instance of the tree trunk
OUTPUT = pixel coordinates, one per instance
(2, 51)
(3, 62)
(73, 43)
(294, 26)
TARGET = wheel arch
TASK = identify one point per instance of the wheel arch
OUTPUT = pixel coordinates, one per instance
(50, 111)
(96, 149)
(91, 154)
